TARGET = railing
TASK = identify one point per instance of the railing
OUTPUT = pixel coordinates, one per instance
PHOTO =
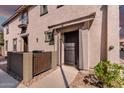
(23, 23)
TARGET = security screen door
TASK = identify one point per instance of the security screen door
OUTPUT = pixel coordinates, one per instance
(71, 48)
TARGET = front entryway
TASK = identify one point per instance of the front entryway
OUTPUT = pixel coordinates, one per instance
(25, 39)
(71, 48)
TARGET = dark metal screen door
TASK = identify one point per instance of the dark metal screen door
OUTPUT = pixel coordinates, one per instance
(71, 48)
(70, 53)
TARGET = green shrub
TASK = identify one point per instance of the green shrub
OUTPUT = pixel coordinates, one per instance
(109, 75)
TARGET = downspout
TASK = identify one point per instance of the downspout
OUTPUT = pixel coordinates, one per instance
(104, 33)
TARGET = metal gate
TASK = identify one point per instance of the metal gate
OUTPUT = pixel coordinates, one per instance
(41, 62)
(71, 48)
(69, 53)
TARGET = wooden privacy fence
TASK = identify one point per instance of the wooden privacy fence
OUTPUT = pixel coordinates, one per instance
(41, 62)
(15, 63)
(28, 65)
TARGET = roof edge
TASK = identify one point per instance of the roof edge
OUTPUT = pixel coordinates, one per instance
(17, 11)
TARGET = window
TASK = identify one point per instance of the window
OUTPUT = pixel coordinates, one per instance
(43, 10)
(48, 36)
(15, 44)
(24, 17)
(58, 6)
(7, 29)
(6, 45)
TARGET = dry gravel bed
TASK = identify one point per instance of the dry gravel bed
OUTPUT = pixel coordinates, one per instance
(79, 81)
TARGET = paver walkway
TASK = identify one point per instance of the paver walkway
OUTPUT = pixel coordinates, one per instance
(6, 81)
(60, 78)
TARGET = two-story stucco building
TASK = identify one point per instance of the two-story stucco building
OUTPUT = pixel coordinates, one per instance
(81, 35)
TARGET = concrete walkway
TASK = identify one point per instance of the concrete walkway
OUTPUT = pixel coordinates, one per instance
(60, 78)
(3, 62)
(6, 81)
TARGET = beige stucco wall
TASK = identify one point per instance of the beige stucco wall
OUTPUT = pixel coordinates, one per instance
(113, 33)
(97, 33)
(14, 32)
(38, 24)
(96, 38)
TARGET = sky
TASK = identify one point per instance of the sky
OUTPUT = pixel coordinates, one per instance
(6, 11)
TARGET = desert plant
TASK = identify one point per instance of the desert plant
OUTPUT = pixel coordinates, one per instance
(109, 75)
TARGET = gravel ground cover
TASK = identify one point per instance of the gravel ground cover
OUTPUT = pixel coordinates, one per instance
(79, 81)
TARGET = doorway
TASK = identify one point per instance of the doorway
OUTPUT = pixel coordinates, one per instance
(25, 39)
(71, 48)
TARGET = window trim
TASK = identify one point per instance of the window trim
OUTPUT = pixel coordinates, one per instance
(47, 39)
(46, 36)
(42, 12)
(15, 48)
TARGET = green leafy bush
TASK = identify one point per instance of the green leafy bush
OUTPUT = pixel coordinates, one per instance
(109, 75)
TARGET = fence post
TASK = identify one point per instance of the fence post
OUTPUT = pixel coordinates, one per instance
(27, 67)
(54, 59)
(8, 61)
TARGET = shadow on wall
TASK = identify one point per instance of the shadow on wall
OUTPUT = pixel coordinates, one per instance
(103, 49)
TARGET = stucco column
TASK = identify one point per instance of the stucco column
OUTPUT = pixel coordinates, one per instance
(58, 48)
(113, 33)
(55, 53)
(83, 49)
(27, 67)
(62, 48)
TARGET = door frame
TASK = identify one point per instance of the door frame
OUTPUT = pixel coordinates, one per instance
(24, 43)
(83, 49)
